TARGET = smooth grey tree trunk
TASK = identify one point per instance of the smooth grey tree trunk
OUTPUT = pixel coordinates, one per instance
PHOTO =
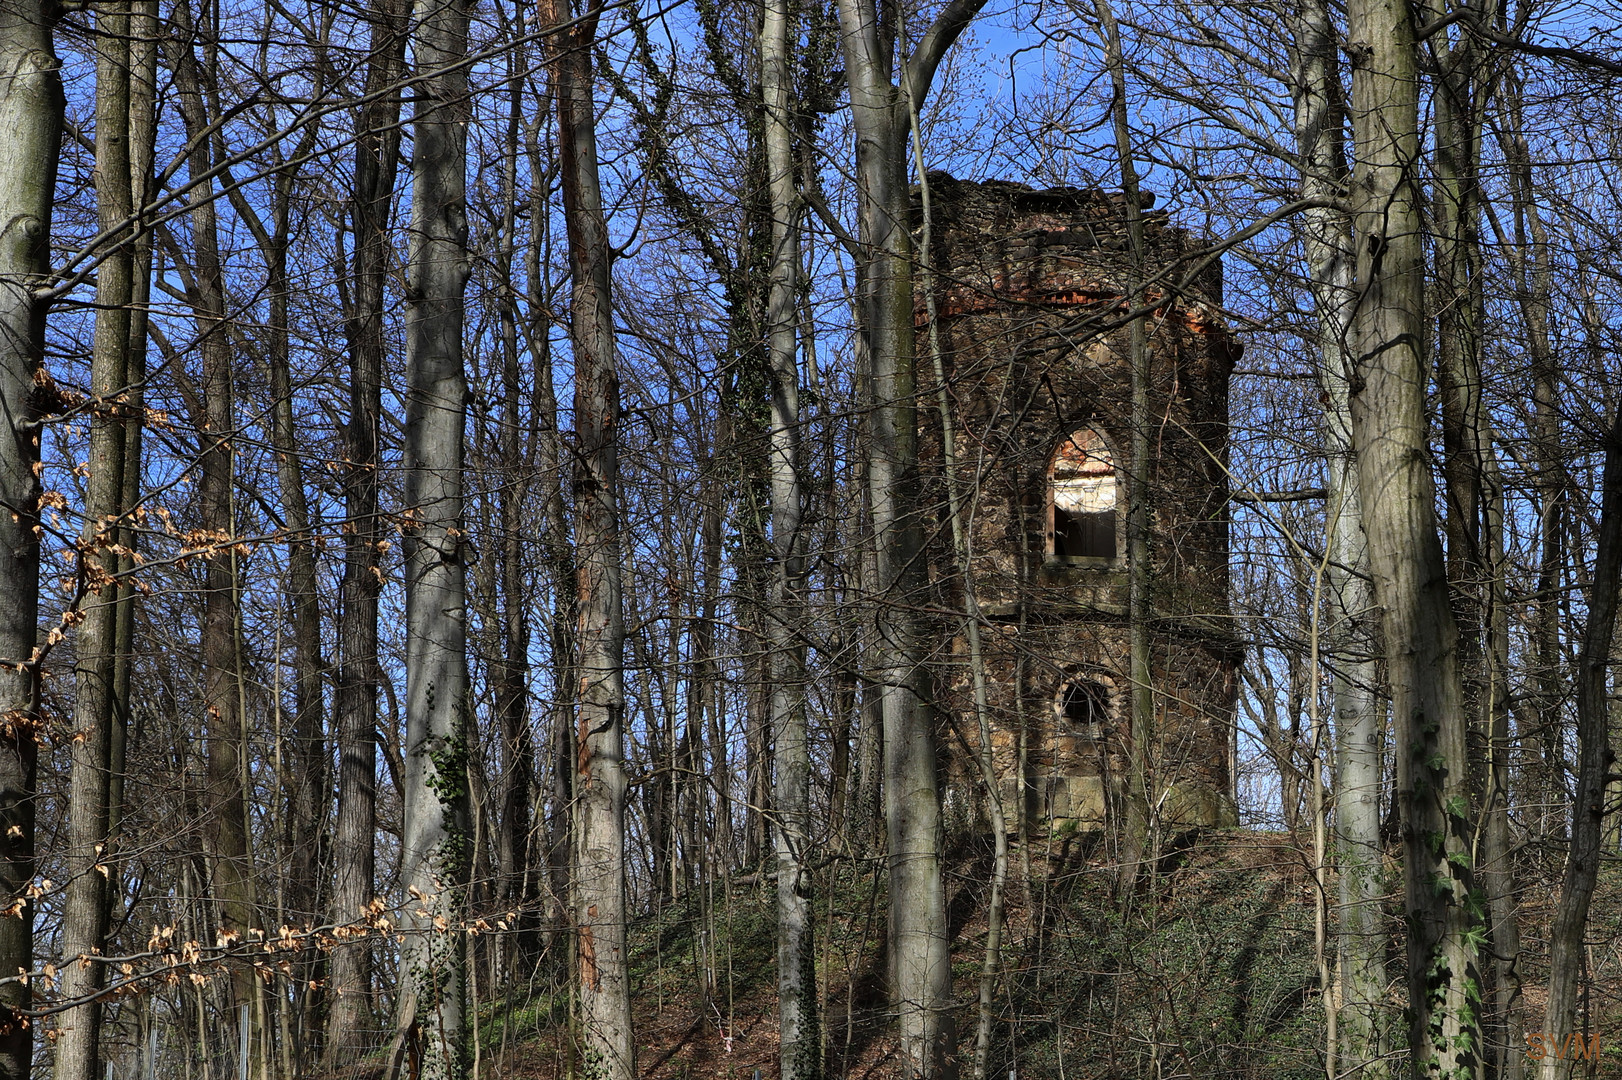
(598, 834)
(437, 844)
(86, 908)
(31, 111)
(800, 1049)
(1358, 714)
(377, 154)
(1405, 553)
(881, 110)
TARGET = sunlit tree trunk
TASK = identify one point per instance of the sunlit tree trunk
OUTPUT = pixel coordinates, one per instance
(598, 848)
(1358, 715)
(31, 115)
(800, 1049)
(1405, 553)
(143, 134)
(89, 860)
(920, 962)
(31, 108)
(437, 844)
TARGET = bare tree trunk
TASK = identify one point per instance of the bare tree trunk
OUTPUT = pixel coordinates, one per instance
(867, 809)
(86, 908)
(556, 549)
(881, 112)
(1465, 439)
(1405, 553)
(31, 108)
(1135, 844)
(509, 670)
(226, 838)
(1359, 716)
(1529, 259)
(350, 1006)
(143, 133)
(800, 1045)
(305, 778)
(305, 781)
(1594, 760)
(957, 514)
(143, 147)
(1497, 848)
(1475, 501)
(510, 673)
(865, 814)
(706, 673)
(599, 902)
(438, 841)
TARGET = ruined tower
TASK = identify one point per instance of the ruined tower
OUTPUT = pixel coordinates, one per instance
(1029, 296)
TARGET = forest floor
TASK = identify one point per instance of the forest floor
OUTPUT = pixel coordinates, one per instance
(1211, 972)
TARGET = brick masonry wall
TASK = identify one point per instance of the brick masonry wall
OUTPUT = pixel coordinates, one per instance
(1029, 298)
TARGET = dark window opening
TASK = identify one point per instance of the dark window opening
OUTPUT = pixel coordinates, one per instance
(1083, 535)
(1084, 708)
(1082, 499)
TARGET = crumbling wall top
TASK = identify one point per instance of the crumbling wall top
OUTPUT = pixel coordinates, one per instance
(1007, 237)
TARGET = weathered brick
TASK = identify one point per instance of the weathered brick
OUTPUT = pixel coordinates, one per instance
(1029, 293)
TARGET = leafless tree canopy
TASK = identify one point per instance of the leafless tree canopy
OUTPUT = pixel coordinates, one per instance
(583, 539)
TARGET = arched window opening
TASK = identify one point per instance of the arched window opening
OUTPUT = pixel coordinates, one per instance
(1084, 708)
(1082, 498)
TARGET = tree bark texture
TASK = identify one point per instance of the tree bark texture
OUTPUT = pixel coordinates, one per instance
(226, 838)
(557, 552)
(920, 961)
(598, 847)
(143, 133)
(377, 156)
(1475, 498)
(86, 908)
(1358, 713)
(1594, 761)
(1405, 552)
(437, 844)
(517, 888)
(31, 113)
(800, 1045)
